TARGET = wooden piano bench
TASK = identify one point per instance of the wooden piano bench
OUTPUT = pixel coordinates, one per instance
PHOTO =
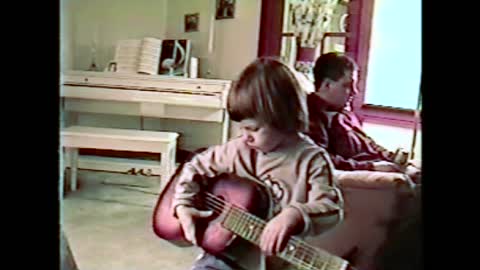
(164, 143)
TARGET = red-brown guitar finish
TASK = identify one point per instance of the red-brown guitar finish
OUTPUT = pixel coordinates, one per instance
(210, 233)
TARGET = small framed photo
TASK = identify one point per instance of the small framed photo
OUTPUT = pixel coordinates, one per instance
(191, 22)
(225, 9)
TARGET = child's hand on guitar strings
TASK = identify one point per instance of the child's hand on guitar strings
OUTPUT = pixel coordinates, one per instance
(186, 216)
(279, 229)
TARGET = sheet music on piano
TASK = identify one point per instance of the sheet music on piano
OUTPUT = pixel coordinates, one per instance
(152, 56)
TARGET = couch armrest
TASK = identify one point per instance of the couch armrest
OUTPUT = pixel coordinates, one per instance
(373, 180)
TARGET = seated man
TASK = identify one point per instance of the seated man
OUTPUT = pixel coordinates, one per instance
(336, 128)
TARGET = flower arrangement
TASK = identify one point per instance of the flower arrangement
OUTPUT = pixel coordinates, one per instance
(310, 19)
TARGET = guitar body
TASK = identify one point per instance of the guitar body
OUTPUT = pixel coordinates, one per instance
(211, 235)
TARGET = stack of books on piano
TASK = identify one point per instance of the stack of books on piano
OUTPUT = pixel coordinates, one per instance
(138, 56)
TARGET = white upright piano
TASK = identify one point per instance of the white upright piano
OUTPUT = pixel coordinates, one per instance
(195, 108)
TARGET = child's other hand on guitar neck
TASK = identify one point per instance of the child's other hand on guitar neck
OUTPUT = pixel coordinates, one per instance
(279, 229)
(186, 216)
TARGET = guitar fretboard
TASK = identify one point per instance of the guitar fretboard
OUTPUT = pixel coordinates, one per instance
(297, 252)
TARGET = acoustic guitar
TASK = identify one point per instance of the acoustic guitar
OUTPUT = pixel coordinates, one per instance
(240, 208)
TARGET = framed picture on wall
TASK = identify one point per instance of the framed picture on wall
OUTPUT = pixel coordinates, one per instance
(191, 22)
(225, 9)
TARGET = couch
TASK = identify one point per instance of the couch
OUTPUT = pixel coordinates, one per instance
(378, 206)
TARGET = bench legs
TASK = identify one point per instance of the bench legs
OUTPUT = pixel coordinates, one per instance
(73, 153)
(167, 164)
(164, 157)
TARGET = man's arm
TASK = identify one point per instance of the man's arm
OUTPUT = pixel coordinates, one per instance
(319, 134)
(351, 164)
(349, 140)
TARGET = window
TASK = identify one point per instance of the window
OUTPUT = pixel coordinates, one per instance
(385, 40)
(394, 61)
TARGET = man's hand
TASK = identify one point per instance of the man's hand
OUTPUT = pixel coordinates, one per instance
(279, 229)
(386, 166)
(186, 216)
(414, 173)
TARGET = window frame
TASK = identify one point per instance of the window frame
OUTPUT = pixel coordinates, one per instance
(359, 25)
(357, 46)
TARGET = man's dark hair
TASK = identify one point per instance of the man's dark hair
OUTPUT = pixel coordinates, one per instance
(332, 66)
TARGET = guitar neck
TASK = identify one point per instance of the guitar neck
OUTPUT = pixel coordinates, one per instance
(297, 252)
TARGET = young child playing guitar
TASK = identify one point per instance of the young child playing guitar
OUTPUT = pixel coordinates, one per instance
(270, 107)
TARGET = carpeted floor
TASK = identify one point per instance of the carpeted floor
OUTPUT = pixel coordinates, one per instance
(107, 222)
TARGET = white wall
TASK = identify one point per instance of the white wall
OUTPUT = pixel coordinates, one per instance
(177, 9)
(66, 35)
(104, 22)
(234, 42)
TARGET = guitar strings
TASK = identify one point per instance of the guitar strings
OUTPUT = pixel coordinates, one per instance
(238, 217)
(217, 202)
(306, 249)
